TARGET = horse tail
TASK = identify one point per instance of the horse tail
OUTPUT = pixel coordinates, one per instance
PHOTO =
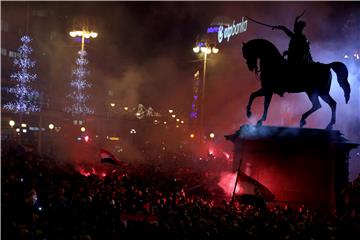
(342, 77)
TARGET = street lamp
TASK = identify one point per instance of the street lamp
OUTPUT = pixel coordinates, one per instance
(205, 49)
(83, 34)
(82, 129)
(215, 50)
(12, 123)
(196, 49)
(51, 126)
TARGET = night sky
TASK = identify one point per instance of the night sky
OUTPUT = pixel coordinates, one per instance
(143, 54)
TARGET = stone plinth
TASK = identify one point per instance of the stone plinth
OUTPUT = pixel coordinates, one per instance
(297, 165)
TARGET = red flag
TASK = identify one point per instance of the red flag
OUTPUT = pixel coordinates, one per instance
(250, 186)
(107, 157)
(27, 148)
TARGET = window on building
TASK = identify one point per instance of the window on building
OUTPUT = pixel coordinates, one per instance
(13, 54)
(4, 26)
(52, 35)
(39, 13)
(3, 51)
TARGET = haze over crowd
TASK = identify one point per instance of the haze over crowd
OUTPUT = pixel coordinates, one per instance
(143, 54)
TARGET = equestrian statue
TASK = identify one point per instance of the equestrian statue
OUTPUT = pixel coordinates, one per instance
(293, 72)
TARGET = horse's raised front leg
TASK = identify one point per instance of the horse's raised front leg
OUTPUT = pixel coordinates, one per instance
(314, 98)
(254, 95)
(267, 101)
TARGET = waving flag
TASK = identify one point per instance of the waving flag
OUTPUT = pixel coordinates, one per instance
(107, 157)
(251, 187)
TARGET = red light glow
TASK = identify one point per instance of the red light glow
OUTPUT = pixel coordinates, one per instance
(211, 151)
(84, 173)
(227, 183)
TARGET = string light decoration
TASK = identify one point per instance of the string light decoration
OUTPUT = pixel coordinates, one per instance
(150, 112)
(26, 98)
(141, 111)
(194, 105)
(79, 84)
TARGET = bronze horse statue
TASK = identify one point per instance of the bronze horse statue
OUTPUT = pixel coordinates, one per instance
(277, 76)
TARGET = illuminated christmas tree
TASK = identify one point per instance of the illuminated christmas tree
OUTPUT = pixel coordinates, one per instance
(79, 85)
(26, 98)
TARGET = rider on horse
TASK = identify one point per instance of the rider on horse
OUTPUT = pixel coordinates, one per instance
(299, 46)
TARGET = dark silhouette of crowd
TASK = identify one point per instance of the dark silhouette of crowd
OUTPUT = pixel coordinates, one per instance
(44, 199)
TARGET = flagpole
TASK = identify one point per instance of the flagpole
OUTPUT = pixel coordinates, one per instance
(237, 177)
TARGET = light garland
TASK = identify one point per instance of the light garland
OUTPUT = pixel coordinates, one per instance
(141, 111)
(194, 105)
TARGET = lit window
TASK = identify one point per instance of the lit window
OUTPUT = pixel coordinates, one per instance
(52, 35)
(39, 13)
(3, 51)
(12, 54)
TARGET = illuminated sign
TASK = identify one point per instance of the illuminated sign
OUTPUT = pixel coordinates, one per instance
(114, 138)
(232, 30)
(36, 129)
(213, 29)
(201, 44)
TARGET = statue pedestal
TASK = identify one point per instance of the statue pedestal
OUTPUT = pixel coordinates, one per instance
(297, 165)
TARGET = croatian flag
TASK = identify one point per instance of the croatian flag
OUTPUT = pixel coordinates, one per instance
(250, 186)
(107, 157)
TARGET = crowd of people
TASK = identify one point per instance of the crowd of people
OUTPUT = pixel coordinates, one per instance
(45, 199)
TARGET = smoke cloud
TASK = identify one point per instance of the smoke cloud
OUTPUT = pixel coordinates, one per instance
(143, 54)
